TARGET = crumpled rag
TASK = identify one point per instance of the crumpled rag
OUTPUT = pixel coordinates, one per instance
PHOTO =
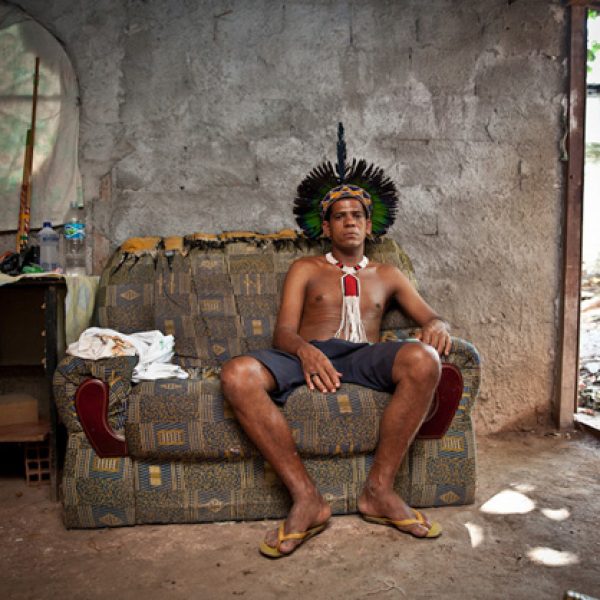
(154, 349)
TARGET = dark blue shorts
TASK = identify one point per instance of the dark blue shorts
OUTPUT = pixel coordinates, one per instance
(363, 363)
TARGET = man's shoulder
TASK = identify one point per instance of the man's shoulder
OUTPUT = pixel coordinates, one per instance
(391, 274)
(305, 262)
(385, 268)
(305, 267)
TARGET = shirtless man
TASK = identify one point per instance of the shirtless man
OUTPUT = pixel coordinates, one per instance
(310, 311)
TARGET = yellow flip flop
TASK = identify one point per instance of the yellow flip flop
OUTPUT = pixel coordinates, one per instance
(304, 536)
(435, 530)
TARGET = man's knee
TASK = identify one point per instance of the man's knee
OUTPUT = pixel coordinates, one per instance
(239, 373)
(419, 363)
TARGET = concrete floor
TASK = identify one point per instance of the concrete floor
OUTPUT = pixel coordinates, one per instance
(533, 533)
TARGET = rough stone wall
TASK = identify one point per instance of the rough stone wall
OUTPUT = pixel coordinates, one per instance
(207, 115)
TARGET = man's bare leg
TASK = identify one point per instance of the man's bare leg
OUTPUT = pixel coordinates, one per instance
(246, 383)
(416, 373)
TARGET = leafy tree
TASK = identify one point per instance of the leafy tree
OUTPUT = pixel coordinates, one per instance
(593, 47)
(592, 151)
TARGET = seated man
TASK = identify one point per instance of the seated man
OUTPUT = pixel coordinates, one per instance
(314, 346)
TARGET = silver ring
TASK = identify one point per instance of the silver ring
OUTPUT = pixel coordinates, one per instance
(311, 375)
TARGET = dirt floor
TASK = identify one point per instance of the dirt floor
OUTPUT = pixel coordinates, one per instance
(533, 533)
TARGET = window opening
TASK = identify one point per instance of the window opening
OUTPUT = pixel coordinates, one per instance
(588, 401)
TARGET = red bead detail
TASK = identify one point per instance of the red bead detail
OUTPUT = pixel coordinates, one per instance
(350, 285)
(341, 266)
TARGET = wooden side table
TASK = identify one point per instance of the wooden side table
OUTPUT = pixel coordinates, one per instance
(31, 342)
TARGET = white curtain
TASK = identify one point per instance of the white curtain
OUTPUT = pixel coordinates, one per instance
(56, 181)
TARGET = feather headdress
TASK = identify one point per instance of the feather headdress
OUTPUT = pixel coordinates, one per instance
(325, 185)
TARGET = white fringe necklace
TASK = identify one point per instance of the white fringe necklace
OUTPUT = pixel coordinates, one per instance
(351, 325)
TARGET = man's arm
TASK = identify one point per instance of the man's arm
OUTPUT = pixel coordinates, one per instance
(435, 330)
(318, 370)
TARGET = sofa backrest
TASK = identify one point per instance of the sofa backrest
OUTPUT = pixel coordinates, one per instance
(218, 295)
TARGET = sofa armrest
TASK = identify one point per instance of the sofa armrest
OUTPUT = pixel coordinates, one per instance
(91, 403)
(73, 371)
(465, 357)
(458, 388)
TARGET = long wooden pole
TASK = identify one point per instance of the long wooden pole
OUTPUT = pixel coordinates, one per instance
(25, 198)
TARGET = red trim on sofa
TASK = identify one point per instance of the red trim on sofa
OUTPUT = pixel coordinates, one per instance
(445, 403)
(91, 403)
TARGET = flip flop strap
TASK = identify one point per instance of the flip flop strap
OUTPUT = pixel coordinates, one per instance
(284, 537)
(407, 522)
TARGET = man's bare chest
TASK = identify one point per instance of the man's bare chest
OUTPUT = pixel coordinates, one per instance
(324, 292)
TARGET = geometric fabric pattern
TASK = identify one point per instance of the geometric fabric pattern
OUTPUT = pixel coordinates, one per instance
(96, 492)
(189, 461)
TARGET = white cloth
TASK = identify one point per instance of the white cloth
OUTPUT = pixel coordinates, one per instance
(154, 349)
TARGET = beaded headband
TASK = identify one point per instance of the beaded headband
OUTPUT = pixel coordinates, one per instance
(346, 192)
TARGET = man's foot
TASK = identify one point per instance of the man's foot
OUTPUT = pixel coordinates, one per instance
(385, 507)
(300, 537)
(406, 525)
(306, 518)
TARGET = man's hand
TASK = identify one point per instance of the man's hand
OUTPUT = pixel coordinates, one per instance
(435, 333)
(318, 370)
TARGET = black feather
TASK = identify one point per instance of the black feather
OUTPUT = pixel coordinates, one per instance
(341, 154)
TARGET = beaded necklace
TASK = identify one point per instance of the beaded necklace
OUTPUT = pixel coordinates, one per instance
(351, 325)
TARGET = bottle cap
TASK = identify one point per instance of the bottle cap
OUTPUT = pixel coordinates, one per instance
(47, 224)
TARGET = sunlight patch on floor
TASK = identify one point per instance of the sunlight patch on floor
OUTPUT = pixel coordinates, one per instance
(524, 488)
(559, 514)
(508, 502)
(552, 558)
(475, 533)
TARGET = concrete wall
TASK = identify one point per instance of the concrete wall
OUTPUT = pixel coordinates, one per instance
(207, 115)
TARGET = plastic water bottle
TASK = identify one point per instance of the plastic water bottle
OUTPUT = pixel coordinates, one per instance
(75, 241)
(49, 256)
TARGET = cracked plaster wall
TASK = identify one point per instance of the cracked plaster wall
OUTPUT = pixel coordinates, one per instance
(208, 114)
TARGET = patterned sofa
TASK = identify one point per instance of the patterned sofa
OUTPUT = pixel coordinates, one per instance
(175, 453)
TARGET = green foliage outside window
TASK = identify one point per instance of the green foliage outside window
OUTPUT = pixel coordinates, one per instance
(592, 151)
(593, 46)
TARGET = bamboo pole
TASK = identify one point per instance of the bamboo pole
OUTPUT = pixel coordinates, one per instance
(25, 198)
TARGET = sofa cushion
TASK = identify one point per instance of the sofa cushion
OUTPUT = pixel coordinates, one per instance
(125, 296)
(188, 419)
